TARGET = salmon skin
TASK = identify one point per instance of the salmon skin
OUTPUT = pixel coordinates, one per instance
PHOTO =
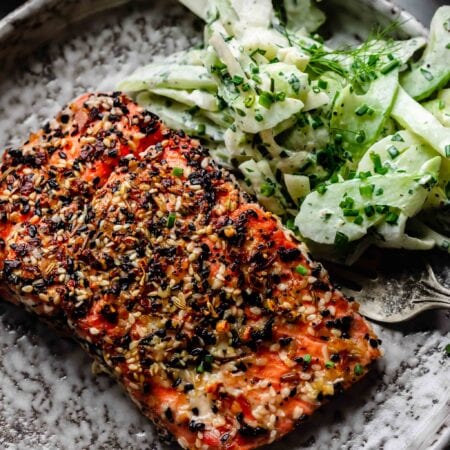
(199, 302)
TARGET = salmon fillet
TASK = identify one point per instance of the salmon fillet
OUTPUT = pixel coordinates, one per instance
(199, 302)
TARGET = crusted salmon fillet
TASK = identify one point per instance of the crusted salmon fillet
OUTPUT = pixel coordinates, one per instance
(208, 311)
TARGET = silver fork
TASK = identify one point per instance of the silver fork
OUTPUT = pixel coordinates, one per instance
(393, 288)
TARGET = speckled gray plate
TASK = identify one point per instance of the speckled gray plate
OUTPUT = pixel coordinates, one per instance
(48, 395)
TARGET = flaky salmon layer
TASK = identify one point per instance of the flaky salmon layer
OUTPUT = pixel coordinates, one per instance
(206, 309)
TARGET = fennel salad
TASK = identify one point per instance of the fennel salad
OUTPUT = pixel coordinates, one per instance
(349, 146)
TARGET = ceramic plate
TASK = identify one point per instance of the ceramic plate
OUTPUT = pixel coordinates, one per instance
(50, 52)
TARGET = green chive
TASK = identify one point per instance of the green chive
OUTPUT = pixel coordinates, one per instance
(364, 175)
(360, 136)
(358, 370)
(382, 209)
(448, 46)
(241, 112)
(347, 203)
(362, 110)
(280, 96)
(393, 151)
(237, 80)
(322, 188)
(447, 151)
(397, 138)
(379, 191)
(267, 189)
(266, 99)
(194, 110)
(245, 87)
(441, 104)
(377, 166)
(177, 171)
(351, 213)
(338, 138)
(171, 220)
(340, 240)
(366, 190)
(329, 364)
(248, 102)
(259, 117)
(369, 210)
(389, 67)
(392, 218)
(302, 270)
(201, 129)
(290, 224)
(256, 78)
(307, 358)
(358, 220)
(322, 84)
(427, 74)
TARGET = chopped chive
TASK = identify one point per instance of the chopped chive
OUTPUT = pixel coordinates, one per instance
(177, 171)
(259, 117)
(427, 74)
(267, 189)
(351, 212)
(379, 191)
(256, 78)
(393, 151)
(194, 110)
(390, 66)
(358, 370)
(280, 96)
(201, 129)
(316, 122)
(322, 84)
(448, 46)
(358, 220)
(272, 85)
(441, 104)
(254, 68)
(347, 203)
(447, 151)
(265, 99)
(369, 210)
(322, 188)
(241, 112)
(171, 220)
(366, 190)
(302, 270)
(245, 87)
(360, 136)
(290, 224)
(397, 138)
(364, 175)
(295, 83)
(373, 59)
(377, 166)
(360, 111)
(249, 101)
(237, 80)
(338, 138)
(340, 240)
(392, 218)
(329, 364)
(382, 209)
(307, 358)
(274, 60)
